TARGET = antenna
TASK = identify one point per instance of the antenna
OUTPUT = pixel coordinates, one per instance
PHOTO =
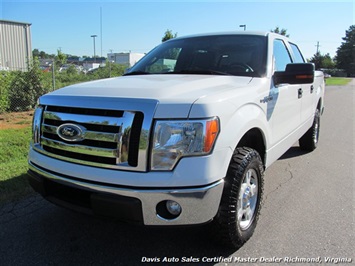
(101, 28)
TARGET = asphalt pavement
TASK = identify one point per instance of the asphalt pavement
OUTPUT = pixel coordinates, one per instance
(307, 216)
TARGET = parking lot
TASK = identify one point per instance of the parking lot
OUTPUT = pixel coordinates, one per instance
(308, 213)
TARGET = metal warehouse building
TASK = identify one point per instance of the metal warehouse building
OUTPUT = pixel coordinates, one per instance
(15, 45)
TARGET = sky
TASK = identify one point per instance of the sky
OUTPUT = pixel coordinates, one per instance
(138, 26)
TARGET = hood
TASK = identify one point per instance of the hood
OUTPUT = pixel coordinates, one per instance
(174, 94)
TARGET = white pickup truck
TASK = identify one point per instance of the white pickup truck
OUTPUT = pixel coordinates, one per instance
(183, 137)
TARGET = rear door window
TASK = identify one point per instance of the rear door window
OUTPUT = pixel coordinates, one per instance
(297, 54)
(281, 55)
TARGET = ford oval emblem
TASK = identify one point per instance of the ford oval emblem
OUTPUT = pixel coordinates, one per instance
(71, 132)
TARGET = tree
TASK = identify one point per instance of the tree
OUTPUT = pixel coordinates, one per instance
(280, 31)
(322, 61)
(168, 35)
(35, 53)
(60, 59)
(40, 54)
(345, 57)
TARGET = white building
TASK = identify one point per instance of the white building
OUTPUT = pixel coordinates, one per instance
(15, 45)
(90, 64)
(128, 59)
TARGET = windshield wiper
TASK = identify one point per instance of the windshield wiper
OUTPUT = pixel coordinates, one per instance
(198, 72)
(136, 73)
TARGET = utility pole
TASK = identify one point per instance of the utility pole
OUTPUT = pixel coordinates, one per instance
(53, 75)
(94, 36)
(318, 47)
(109, 61)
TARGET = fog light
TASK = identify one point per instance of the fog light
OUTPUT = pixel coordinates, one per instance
(168, 210)
(173, 207)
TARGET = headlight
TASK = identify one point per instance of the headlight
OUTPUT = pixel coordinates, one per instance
(175, 139)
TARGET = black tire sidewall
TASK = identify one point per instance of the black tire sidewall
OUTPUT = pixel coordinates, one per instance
(229, 229)
(246, 233)
(316, 128)
(253, 163)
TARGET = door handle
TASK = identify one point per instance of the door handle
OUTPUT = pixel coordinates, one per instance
(300, 93)
(312, 88)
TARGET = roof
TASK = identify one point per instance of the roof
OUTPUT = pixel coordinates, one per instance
(93, 60)
(256, 33)
(15, 22)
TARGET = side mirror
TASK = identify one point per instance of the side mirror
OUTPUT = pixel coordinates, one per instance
(300, 73)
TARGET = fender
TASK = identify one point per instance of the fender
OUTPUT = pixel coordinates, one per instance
(247, 117)
(235, 123)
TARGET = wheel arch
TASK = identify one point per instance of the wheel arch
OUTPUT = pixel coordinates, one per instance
(247, 127)
(254, 139)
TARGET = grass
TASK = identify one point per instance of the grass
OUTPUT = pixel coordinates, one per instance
(337, 81)
(14, 144)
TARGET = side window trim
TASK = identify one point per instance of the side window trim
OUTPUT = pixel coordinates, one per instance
(286, 46)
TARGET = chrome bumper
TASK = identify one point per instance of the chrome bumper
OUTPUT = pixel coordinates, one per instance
(199, 205)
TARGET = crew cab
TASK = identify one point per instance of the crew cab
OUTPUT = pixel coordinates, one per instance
(184, 137)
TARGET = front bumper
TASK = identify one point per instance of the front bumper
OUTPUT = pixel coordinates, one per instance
(138, 205)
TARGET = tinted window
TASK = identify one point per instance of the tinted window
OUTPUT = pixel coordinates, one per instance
(165, 63)
(297, 54)
(281, 54)
(242, 55)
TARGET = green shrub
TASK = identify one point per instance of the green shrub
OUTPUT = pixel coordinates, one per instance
(26, 88)
(19, 90)
(5, 81)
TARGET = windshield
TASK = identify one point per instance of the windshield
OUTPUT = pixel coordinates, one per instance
(240, 55)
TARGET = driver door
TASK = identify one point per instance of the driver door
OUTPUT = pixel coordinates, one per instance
(286, 115)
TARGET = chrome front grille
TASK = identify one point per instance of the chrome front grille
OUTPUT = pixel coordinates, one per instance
(108, 138)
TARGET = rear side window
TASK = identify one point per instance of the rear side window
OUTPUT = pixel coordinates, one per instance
(281, 54)
(297, 54)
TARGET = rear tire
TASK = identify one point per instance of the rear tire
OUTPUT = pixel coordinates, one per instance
(309, 141)
(241, 200)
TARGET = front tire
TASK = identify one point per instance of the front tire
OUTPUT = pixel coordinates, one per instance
(241, 200)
